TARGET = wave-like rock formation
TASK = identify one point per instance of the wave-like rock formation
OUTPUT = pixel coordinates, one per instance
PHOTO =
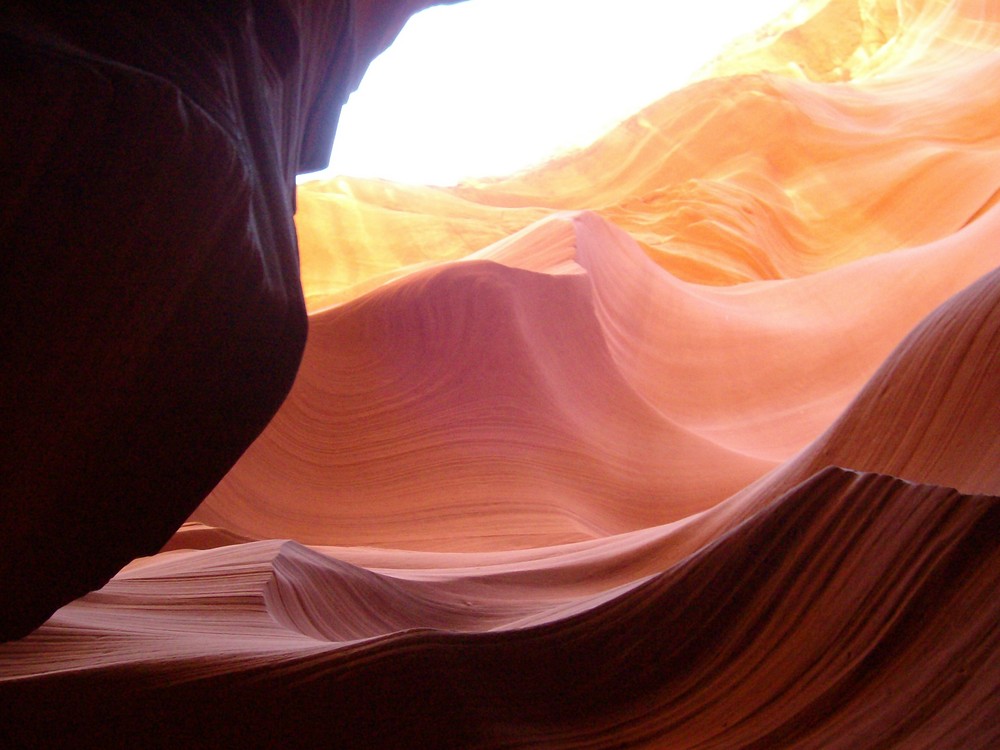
(689, 439)
(855, 610)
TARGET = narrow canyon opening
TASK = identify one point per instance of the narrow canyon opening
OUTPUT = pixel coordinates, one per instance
(486, 88)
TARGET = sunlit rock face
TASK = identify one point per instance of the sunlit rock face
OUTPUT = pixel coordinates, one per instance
(629, 334)
(689, 439)
(152, 311)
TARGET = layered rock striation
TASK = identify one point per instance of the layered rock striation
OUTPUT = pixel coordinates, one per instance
(688, 439)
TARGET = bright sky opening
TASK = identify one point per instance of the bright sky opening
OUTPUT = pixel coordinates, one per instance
(491, 87)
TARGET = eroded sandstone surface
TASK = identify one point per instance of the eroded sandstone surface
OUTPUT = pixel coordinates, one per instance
(688, 439)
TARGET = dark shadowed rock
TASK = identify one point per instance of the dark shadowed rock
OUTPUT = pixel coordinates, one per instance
(151, 317)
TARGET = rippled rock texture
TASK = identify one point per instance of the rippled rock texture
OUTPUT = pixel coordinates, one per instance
(689, 439)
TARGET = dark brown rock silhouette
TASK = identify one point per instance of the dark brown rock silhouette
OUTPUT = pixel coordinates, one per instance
(151, 307)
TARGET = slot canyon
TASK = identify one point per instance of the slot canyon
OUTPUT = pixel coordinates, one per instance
(687, 438)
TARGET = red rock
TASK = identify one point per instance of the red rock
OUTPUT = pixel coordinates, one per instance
(686, 440)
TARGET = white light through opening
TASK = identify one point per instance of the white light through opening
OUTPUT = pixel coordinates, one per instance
(491, 87)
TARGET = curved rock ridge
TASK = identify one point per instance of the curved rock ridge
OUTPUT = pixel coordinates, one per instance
(544, 375)
(477, 405)
(689, 439)
(930, 413)
(906, 441)
(856, 608)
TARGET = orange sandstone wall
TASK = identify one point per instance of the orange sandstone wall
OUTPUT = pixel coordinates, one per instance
(688, 439)
(630, 333)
